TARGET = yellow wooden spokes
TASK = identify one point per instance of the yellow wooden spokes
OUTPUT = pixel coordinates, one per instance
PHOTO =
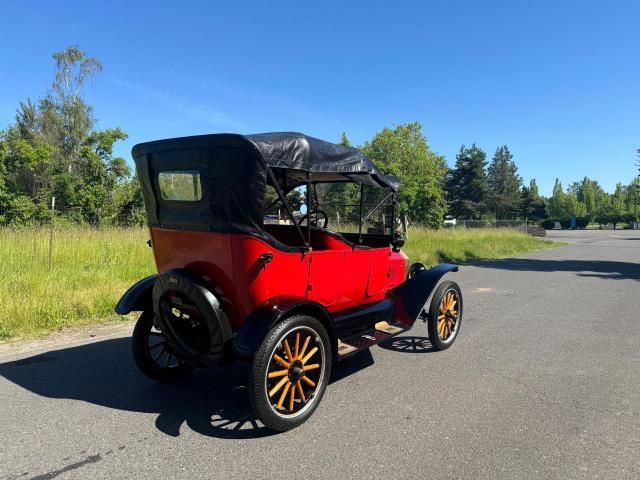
(301, 392)
(447, 306)
(278, 386)
(284, 394)
(287, 349)
(292, 398)
(281, 360)
(308, 381)
(296, 356)
(309, 355)
(278, 373)
(304, 346)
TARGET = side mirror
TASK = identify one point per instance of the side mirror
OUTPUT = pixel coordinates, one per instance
(303, 209)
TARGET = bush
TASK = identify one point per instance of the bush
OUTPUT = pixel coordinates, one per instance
(536, 231)
(548, 224)
(582, 222)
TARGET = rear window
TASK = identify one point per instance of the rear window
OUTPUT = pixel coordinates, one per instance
(180, 185)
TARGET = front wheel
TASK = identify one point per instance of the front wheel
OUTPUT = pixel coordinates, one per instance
(445, 315)
(290, 372)
(149, 347)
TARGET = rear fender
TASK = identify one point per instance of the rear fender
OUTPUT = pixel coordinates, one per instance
(410, 297)
(252, 333)
(138, 297)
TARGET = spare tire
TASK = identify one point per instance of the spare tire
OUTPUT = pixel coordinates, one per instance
(191, 318)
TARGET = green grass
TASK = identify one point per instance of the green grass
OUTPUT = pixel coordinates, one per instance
(92, 268)
(459, 245)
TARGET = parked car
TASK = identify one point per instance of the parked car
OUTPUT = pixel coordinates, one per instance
(291, 298)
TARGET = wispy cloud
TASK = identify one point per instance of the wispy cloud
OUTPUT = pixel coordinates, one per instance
(195, 110)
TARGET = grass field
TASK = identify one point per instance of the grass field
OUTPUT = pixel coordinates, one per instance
(92, 268)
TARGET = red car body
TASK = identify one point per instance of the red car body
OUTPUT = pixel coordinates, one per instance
(332, 273)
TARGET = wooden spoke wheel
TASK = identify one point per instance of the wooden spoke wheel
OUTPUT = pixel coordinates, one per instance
(152, 355)
(290, 373)
(445, 315)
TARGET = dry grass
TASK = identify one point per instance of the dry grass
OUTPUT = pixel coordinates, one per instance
(92, 268)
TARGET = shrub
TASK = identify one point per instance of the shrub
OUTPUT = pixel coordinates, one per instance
(548, 224)
(582, 222)
(536, 231)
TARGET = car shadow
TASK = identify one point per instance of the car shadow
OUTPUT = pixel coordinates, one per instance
(212, 402)
(585, 268)
(408, 344)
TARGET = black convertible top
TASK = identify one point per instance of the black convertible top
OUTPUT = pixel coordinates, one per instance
(329, 162)
(234, 171)
(297, 151)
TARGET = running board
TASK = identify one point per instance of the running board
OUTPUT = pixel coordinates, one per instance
(381, 332)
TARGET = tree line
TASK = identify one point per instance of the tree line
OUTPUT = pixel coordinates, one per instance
(53, 149)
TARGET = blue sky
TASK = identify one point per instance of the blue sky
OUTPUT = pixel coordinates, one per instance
(557, 81)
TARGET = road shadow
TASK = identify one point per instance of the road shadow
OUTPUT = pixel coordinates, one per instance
(408, 344)
(585, 268)
(212, 402)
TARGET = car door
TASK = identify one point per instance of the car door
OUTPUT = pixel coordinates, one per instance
(326, 271)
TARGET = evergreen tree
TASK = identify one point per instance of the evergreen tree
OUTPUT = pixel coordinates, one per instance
(533, 188)
(504, 184)
(533, 206)
(467, 183)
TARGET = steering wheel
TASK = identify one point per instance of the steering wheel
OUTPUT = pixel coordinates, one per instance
(320, 216)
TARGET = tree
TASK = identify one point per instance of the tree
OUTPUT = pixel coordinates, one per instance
(504, 184)
(403, 151)
(467, 183)
(533, 206)
(605, 212)
(53, 149)
(632, 195)
(588, 193)
(556, 204)
(618, 205)
(533, 188)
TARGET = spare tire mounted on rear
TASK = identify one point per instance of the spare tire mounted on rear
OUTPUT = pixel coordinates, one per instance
(191, 318)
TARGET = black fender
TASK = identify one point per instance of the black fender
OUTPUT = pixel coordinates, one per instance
(252, 333)
(411, 295)
(138, 297)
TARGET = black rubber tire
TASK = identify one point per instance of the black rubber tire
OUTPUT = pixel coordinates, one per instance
(257, 393)
(432, 318)
(144, 360)
(215, 330)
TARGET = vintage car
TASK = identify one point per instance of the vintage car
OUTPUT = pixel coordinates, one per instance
(288, 294)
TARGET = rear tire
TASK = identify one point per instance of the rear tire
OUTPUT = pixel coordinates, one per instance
(151, 356)
(290, 372)
(445, 315)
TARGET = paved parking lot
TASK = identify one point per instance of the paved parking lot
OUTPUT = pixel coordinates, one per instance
(543, 382)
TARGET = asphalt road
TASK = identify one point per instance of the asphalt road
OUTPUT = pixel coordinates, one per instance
(543, 382)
